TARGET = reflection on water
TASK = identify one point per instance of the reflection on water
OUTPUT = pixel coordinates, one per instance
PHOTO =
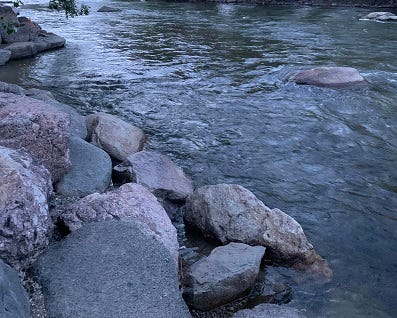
(208, 84)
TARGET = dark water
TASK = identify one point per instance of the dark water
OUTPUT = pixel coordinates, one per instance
(207, 83)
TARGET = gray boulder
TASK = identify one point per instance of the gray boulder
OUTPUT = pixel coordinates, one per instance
(269, 311)
(24, 220)
(110, 269)
(225, 275)
(229, 212)
(5, 55)
(130, 201)
(108, 9)
(90, 172)
(14, 300)
(118, 138)
(42, 131)
(329, 77)
(157, 173)
(380, 16)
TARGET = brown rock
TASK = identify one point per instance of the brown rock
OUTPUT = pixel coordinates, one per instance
(24, 220)
(42, 131)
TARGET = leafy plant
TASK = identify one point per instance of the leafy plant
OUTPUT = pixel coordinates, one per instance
(70, 7)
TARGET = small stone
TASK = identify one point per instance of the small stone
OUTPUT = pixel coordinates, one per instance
(5, 56)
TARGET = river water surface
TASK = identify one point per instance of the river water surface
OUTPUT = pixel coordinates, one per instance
(208, 84)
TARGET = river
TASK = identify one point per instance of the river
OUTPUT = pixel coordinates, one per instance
(207, 82)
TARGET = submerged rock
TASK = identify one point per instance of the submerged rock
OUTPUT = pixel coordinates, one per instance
(226, 274)
(380, 16)
(130, 201)
(110, 269)
(329, 77)
(90, 172)
(157, 173)
(269, 311)
(42, 131)
(118, 138)
(14, 300)
(108, 9)
(24, 220)
(231, 213)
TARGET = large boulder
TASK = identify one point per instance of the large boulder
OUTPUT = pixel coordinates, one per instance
(24, 220)
(7, 17)
(42, 131)
(45, 41)
(118, 138)
(5, 55)
(26, 31)
(270, 311)
(226, 274)
(380, 16)
(231, 213)
(14, 300)
(329, 77)
(157, 173)
(130, 201)
(90, 172)
(110, 269)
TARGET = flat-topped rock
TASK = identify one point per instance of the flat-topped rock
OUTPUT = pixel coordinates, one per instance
(110, 269)
(130, 201)
(225, 275)
(25, 224)
(329, 77)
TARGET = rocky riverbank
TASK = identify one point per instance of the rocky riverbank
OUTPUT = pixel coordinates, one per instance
(85, 216)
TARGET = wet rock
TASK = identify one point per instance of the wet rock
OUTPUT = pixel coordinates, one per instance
(5, 55)
(118, 138)
(229, 212)
(329, 77)
(42, 131)
(130, 201)
(24, 220)
(380, 16)
(110, 269)
(90, 172)
(226, 274)
(45, 41)
(270, 311)
(14, 301)
(26, 31)
(39, 94)
(157, 173)
(108, 9)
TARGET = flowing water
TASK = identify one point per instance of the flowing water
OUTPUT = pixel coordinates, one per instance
(208, 83)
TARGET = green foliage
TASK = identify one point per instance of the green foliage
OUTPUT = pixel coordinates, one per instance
(69, 6)
(17, 3)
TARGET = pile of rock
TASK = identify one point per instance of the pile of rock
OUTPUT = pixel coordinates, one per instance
(121, 256)
(20, 37)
